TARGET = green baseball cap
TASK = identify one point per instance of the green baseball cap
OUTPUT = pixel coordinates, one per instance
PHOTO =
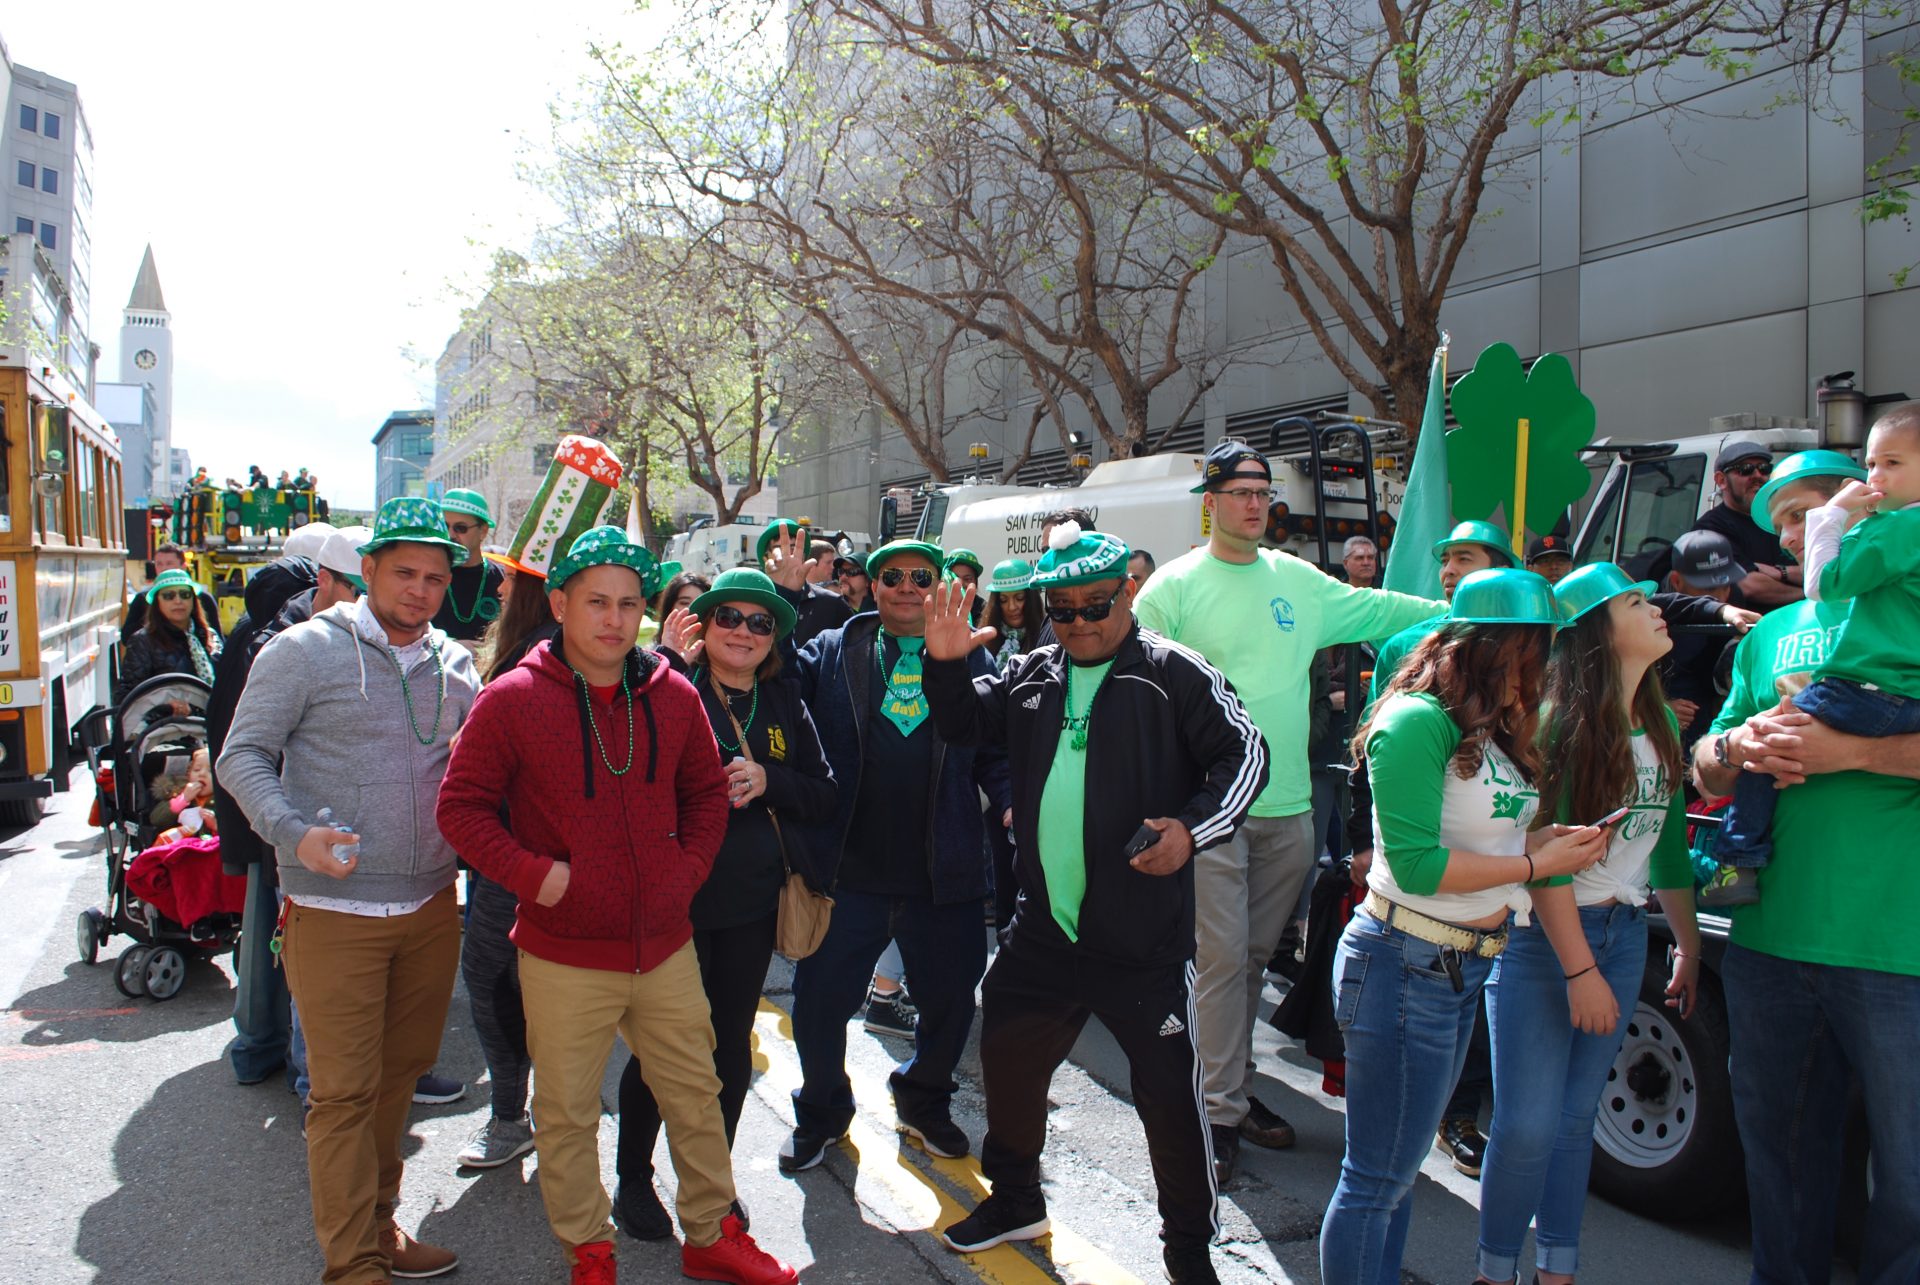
(171, 580)
(409, 519)
(745, 584)
(1011, 576)
(1592, 585)
(964, 558)
(1476, 533)
(902, 548)
(604, 546)
(776, 528)
(471, 503)
(1504, 596)
(1798, 467)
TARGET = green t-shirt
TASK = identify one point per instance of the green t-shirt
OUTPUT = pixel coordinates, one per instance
(1878, 568)
(1063, 806)
(1395, 650)
(1260, 623)
(1843, 887)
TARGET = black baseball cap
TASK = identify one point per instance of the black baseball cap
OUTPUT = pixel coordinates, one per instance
(1230, 459)
(1705, 558)
(1741, 449)
(1544, 546)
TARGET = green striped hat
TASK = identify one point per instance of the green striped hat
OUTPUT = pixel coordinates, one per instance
(575, 492)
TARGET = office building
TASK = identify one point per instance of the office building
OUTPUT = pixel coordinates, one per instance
(46, 171)
(402, 449)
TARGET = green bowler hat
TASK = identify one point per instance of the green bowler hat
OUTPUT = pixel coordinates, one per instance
(1476, 533)
(604, 546)
(471, 503)
(745, 584)
(776, 528)
(901, 548)
(1798, 467)
(1593, 585)
(1075, 557)
(1011, 576)
(964, 558)
(171, 580)
(1504, 596)
(409, 519)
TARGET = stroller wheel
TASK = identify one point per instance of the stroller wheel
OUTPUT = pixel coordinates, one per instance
(130, 975)
(88, 935)
(166, 973)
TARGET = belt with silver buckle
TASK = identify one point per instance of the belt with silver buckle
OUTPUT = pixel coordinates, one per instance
(1487, 945)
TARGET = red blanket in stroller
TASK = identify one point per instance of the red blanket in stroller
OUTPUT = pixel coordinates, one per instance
(184, 881)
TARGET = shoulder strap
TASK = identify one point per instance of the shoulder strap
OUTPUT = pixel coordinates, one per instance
(746, 752)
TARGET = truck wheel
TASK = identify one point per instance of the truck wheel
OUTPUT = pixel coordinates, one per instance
(21, 814)
(1665, 1143)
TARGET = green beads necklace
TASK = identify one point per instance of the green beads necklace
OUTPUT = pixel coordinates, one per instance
(1069, 721)
(439, 695)
(484, 607)
(594, 723)
(726, 699)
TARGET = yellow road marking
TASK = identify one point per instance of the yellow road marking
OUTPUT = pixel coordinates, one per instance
(882, 1158)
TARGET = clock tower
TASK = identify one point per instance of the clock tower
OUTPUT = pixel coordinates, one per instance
(146, 357)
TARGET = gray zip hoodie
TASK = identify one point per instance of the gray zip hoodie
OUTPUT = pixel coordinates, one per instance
(323, 723)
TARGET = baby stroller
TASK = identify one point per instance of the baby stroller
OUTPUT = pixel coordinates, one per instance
(142, 740)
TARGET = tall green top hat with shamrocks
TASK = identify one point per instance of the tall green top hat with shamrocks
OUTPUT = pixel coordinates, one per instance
(579, 483)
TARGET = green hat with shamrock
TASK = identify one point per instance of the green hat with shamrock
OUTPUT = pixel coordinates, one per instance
(1076, 557)
(171, 580)
(775, 529)
(409, 519)
(745, 584)
(963, 558)
(471, 503)
(606, 546)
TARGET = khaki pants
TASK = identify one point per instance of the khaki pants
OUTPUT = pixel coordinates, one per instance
(372, 995)
(572, 1014)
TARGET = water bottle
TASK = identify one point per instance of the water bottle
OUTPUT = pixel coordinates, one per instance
(342, 852)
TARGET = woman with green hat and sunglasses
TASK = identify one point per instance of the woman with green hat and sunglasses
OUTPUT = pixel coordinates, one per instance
(1451, 756)
(1014, 611)
(174, 638)
(1610, 752)
(728, 645)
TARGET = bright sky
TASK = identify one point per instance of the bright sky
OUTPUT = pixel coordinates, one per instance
(319, 184)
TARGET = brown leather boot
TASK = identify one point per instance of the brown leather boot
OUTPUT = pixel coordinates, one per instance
(413, 1260)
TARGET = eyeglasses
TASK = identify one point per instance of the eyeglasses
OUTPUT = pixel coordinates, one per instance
(461, 528)
(759, 624)
(922, 578)
(174, 595)
(1243, 494)
(1761, 467)
(1092, 614)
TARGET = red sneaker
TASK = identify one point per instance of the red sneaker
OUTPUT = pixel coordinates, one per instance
(734, 1258)
(593, 1264)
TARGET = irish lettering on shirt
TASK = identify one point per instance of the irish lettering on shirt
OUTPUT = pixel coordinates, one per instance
(1652, 787)
(1804, 649)
(1513, 798)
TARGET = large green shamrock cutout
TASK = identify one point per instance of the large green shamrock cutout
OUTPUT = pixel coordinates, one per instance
(1483, 453)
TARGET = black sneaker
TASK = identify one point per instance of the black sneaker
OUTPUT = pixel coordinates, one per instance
(1226, 1152)
(637, 1210)
(1462, 1143)
(995, 1221)
(892, 1014)
(740, 1212)
(938, 1134)
(1189, 1265)
(1265, 1127)
(802, 1150)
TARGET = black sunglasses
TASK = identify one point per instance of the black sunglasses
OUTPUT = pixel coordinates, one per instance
(760, 624)
(173, 595)
(1091, 614)
(921, 577)
(1763, 467)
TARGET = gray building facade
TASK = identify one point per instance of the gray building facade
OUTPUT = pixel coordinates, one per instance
(46, 167)
(402, 449)
(1702, 257)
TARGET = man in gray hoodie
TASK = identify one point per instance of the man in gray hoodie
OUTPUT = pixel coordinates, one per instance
(336, 755)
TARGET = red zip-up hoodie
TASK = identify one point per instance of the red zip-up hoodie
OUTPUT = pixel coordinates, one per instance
(640, 844)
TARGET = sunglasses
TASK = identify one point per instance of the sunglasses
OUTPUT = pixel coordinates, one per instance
(173, 595)
(1091, 614)
(759, 624)
(461, 528)
(1760, 467)
(922, 578)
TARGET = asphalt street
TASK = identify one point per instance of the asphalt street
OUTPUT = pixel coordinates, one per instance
(133, 1158)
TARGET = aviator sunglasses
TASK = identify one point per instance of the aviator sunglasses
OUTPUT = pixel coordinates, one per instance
(1092, 613)
(759, 624)
(921, 577)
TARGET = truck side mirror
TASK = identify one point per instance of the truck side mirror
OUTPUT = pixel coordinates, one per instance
(889, 517)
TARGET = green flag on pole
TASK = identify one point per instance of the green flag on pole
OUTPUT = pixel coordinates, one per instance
(1426, 514)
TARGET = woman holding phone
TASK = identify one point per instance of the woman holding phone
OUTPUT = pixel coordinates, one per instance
(1451, 754)
(1559, 994)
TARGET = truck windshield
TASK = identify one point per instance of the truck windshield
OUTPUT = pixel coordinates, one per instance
(1661, 499)
(933, 519)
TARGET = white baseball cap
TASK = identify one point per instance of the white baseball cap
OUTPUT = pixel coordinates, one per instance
(305, 542)
(341, 553)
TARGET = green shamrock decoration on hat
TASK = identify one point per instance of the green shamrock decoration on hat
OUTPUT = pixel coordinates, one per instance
(1484, 455)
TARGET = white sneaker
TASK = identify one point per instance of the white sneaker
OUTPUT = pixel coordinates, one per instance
(496, 1142)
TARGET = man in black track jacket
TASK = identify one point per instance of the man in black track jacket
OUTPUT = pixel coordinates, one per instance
(1113, 733)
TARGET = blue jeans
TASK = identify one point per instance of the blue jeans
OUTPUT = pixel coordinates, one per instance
(1547, 1081)
(945, 951)
(1744, 838)
(262, 1016)
(1407, 1032)
(1798, 1032)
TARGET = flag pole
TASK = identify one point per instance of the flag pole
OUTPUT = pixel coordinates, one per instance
(1519, 533)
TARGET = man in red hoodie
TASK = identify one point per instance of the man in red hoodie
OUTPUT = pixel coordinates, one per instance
(617, 801)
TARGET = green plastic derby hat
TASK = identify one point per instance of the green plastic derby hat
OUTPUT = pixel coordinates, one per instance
(1011, 576)
(409, 519)
(1476, 533)
(1593, 585)
(471, 503)
(1798, 467)
(744, 584)
(904, 548)
(964, 558)
(776, 528)
(1504, 596)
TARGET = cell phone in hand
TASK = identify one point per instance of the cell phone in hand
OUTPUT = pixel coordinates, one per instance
(1143, 838)
(1613, 817)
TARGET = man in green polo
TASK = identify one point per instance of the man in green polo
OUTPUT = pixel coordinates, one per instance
(473, 598)
(1822, 976)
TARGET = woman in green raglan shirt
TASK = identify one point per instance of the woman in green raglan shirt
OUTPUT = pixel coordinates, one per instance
(1559, 992)
(1451, 754)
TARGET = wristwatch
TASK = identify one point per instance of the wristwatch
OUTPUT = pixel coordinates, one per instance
(1720, 754)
